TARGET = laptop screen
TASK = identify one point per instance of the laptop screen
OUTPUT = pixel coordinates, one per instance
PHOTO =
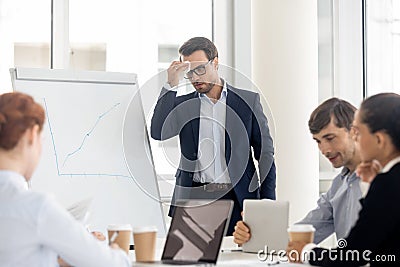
(196, 231)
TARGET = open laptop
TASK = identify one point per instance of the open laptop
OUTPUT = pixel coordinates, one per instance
(196, 232)
(268, 221)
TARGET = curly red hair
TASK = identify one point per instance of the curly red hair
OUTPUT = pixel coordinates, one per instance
(18, 112)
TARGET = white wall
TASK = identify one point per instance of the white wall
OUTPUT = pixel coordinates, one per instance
(285, 68)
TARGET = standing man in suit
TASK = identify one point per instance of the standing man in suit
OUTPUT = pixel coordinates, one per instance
(220, 129)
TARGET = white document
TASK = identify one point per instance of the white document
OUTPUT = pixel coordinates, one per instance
(80, 209)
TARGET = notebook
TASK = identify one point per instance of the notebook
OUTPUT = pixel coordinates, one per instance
(196, 232)
(268, 221)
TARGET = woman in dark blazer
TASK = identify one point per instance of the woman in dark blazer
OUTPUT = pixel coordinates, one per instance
(375, 238)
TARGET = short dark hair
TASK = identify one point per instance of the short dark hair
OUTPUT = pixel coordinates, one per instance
(341, 111)
(199, 43)
(381, 112)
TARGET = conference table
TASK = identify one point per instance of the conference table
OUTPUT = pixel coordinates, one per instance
(230, 255)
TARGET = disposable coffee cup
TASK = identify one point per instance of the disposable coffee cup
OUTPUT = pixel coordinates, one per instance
(120, 234)
(301, 232)
(144, 239)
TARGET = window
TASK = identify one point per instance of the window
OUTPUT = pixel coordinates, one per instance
(137, 36)
(325, 50)
(340, 65)
(25, 32)
(382, 20)
(326, 79)
(140, 36)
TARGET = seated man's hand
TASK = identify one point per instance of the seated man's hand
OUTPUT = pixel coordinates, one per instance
(241, 234)
(294, 249)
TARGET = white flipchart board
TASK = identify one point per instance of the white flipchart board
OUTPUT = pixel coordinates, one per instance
(90, 149)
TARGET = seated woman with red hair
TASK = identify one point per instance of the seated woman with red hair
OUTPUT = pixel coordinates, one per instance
(34, 229)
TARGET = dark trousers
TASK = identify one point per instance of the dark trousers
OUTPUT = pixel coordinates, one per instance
(237, 207)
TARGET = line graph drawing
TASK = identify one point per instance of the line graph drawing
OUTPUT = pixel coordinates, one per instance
(59, 173)
(90, 132)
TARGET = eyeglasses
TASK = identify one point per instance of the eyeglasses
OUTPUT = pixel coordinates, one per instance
(199, 70)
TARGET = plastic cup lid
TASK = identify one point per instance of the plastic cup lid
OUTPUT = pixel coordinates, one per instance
(301, 228)
(144, 229)
(119, 227)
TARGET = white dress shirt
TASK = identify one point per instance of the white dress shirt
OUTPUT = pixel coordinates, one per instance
(390, 164)
(211, 163)
(34, 230)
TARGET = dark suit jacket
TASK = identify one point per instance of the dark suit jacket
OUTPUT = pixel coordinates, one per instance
(378, 226)
(246, 127)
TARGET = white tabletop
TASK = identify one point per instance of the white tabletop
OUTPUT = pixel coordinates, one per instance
(227, 257)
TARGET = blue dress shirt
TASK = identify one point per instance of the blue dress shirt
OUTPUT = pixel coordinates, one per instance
(338, 208)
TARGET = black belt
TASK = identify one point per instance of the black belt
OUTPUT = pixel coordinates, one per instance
(213, 187)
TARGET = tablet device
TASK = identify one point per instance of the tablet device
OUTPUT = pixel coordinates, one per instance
(268, 221)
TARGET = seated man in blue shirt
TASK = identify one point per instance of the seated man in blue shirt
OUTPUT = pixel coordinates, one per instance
(337, 211)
